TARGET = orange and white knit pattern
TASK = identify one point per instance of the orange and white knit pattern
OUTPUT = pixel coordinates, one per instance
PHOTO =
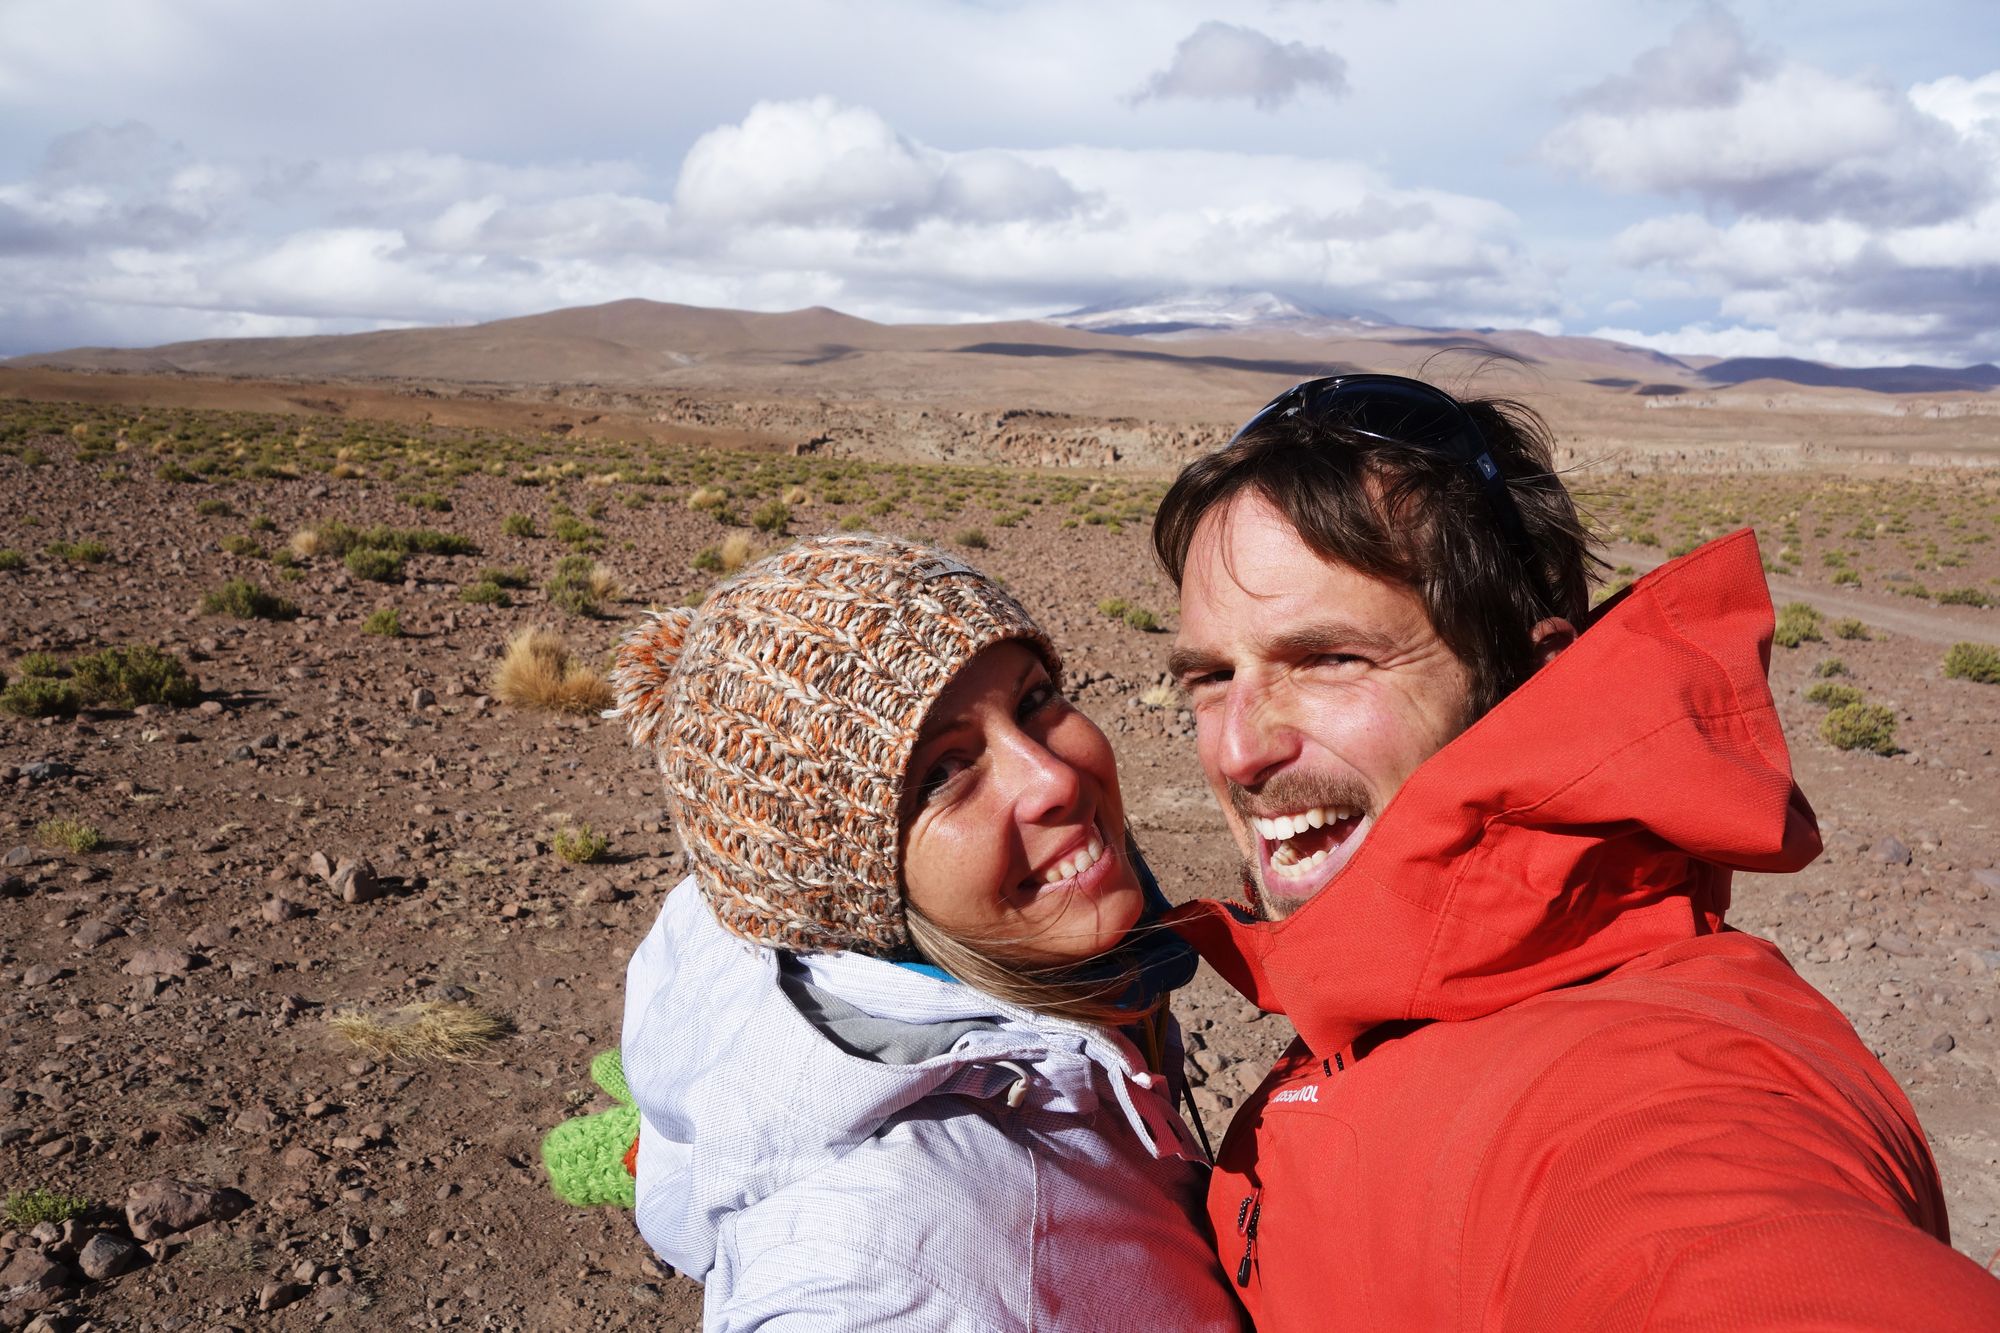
(783, 711)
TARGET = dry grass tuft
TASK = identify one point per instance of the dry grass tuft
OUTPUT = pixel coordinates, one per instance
(305, 543)
(736, 551)
(796, 497)
(604, 586)
(707, 497)
(538, 671)
(429, 1030)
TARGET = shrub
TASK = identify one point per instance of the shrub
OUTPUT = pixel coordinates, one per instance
(579, 844)
(1973, 661)
(707, 497)
(518, 525)
(708, 560)
(576, 534)
(537, 671)
(38, 696)
(263, 523)
(11, 560)
(485, 593)
(430, 500)
(68, 835)
(1831, 666)
(1830, 694)
(972, 539)
(1139, 618)
(134, 675)
(248, 547)
(1114, 607)
(215, 509)
(80, 553)
(1964, 597)
(1798, 622)
(573, 585)
(46, 665)
(1847, 578)
(387, 622)
(507, 576)
(795, 496)
(246, 601)
(172, 471)
(771, 517)
(368, 562)
(853, 523)
(1859, 726)
(1849, 628)
(32, 1207)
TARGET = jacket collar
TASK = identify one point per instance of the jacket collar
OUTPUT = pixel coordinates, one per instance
(1595, 815)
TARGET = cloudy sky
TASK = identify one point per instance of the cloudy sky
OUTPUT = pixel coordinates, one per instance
(1804, 177)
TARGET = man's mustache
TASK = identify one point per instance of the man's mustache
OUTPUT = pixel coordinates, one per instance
(1290, 792)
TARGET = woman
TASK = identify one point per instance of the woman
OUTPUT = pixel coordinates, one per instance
(886, 1040)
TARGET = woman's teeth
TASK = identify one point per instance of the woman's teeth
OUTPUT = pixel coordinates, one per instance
(1075, 865)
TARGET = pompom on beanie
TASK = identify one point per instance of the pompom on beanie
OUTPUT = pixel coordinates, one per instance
(783, 711)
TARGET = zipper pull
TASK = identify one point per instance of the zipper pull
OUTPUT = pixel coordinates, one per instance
(1247, 1214)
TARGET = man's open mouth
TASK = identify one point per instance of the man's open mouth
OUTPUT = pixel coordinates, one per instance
(1304, 849)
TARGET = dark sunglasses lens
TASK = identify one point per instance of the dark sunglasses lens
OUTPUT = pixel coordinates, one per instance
(1393, 410)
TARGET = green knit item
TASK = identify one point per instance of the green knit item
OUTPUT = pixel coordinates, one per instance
(585, 1156)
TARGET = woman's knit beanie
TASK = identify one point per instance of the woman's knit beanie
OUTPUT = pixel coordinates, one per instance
(784, 710)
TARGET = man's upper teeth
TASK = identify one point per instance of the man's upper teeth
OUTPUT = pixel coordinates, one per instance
(1278, 828)
(1075, 865)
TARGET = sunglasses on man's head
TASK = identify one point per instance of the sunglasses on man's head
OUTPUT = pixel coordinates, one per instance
(1404, 411)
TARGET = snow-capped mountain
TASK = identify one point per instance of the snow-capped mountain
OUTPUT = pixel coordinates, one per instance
(1210, 312)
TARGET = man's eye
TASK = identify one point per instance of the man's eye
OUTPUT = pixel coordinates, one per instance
(1191, 684)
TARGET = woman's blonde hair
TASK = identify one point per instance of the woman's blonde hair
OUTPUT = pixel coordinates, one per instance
(1086, 992)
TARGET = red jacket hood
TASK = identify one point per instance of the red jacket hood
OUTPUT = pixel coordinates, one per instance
(1593, 816)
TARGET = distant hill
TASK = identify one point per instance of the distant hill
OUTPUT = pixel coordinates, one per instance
(1875, 379)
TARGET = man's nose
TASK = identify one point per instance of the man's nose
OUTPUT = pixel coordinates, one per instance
(1254, 738)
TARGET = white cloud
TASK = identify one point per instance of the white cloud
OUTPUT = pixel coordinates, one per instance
(1707, 116)
(1224, 62)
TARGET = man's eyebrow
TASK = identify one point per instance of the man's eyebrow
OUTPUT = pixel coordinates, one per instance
(1325, 634)
(1191, 662)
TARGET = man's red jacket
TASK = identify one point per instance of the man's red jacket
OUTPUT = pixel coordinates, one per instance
(1539, 1084)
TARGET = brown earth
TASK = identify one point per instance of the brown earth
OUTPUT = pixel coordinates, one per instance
(391, 1193)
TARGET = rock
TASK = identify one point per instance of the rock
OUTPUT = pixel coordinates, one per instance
(31, 1271)
(1897, 946)
(162, 1207)
(421, 698)
(22, 855)
(106, 1255)
(160, 962)
(279, 910)
(320, 866)
(40, 974)
(277, 1295)
(1890, 851)
(1986, 880)
(597, 894)
(45, 770)
(1979, 1018)
(13, 886)
(210, 936)
(1942, 1043)
(354, 881)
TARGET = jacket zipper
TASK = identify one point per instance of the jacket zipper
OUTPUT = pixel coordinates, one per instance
(1247, 1214)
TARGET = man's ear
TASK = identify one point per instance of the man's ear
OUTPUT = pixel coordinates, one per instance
(1549, 638)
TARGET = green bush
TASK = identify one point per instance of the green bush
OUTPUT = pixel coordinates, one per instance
(1859, 726)
(249, 547)
(1829, 694)
(569, 587)
(430, 500)
(69, 835)
(1964, 597)
(579, 844)
(1850, 628)
(246, 601)
(373, 563)
(215, 509)
(1973, 661)
(46, 665)
(518, 525)
(387, 622)
(853, 523)
(1831, 666)
(30, 1208)
(507, 576)
(708, 560)
(11, 560)
(1114, 607)
(133, 675)
(485, 593)
(38, 696)
(1140, 618)
(338, 539)
(771, 517)
(573, 532)
(1798, 622)
(80, 553)
(172, 471)
(972, 539)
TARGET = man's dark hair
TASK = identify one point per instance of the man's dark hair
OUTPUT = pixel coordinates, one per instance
(1416, 515)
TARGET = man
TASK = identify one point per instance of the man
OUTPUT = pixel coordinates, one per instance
(1539, 1084)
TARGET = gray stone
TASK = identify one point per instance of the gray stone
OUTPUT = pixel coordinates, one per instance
(1890, 851)
(279, 910)
(40, 974)
(320, 866)
(22, 855)
(1942, 1043)
(1987, 880)
(422, 698)
(94, 932)
(354, 881)
(277, 1295)
(160, 962)
(45, 770)
(31, 1271)
(106, 1255)
(162, 1207)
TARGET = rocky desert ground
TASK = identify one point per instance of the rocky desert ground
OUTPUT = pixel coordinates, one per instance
(207, 900)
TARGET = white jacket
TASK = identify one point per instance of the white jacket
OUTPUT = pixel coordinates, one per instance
(1031, 1176)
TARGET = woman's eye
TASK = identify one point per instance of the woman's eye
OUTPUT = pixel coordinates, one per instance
(938, 777)
(1037, 697)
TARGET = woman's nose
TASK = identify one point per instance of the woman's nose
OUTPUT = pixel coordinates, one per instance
(1046, 784)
